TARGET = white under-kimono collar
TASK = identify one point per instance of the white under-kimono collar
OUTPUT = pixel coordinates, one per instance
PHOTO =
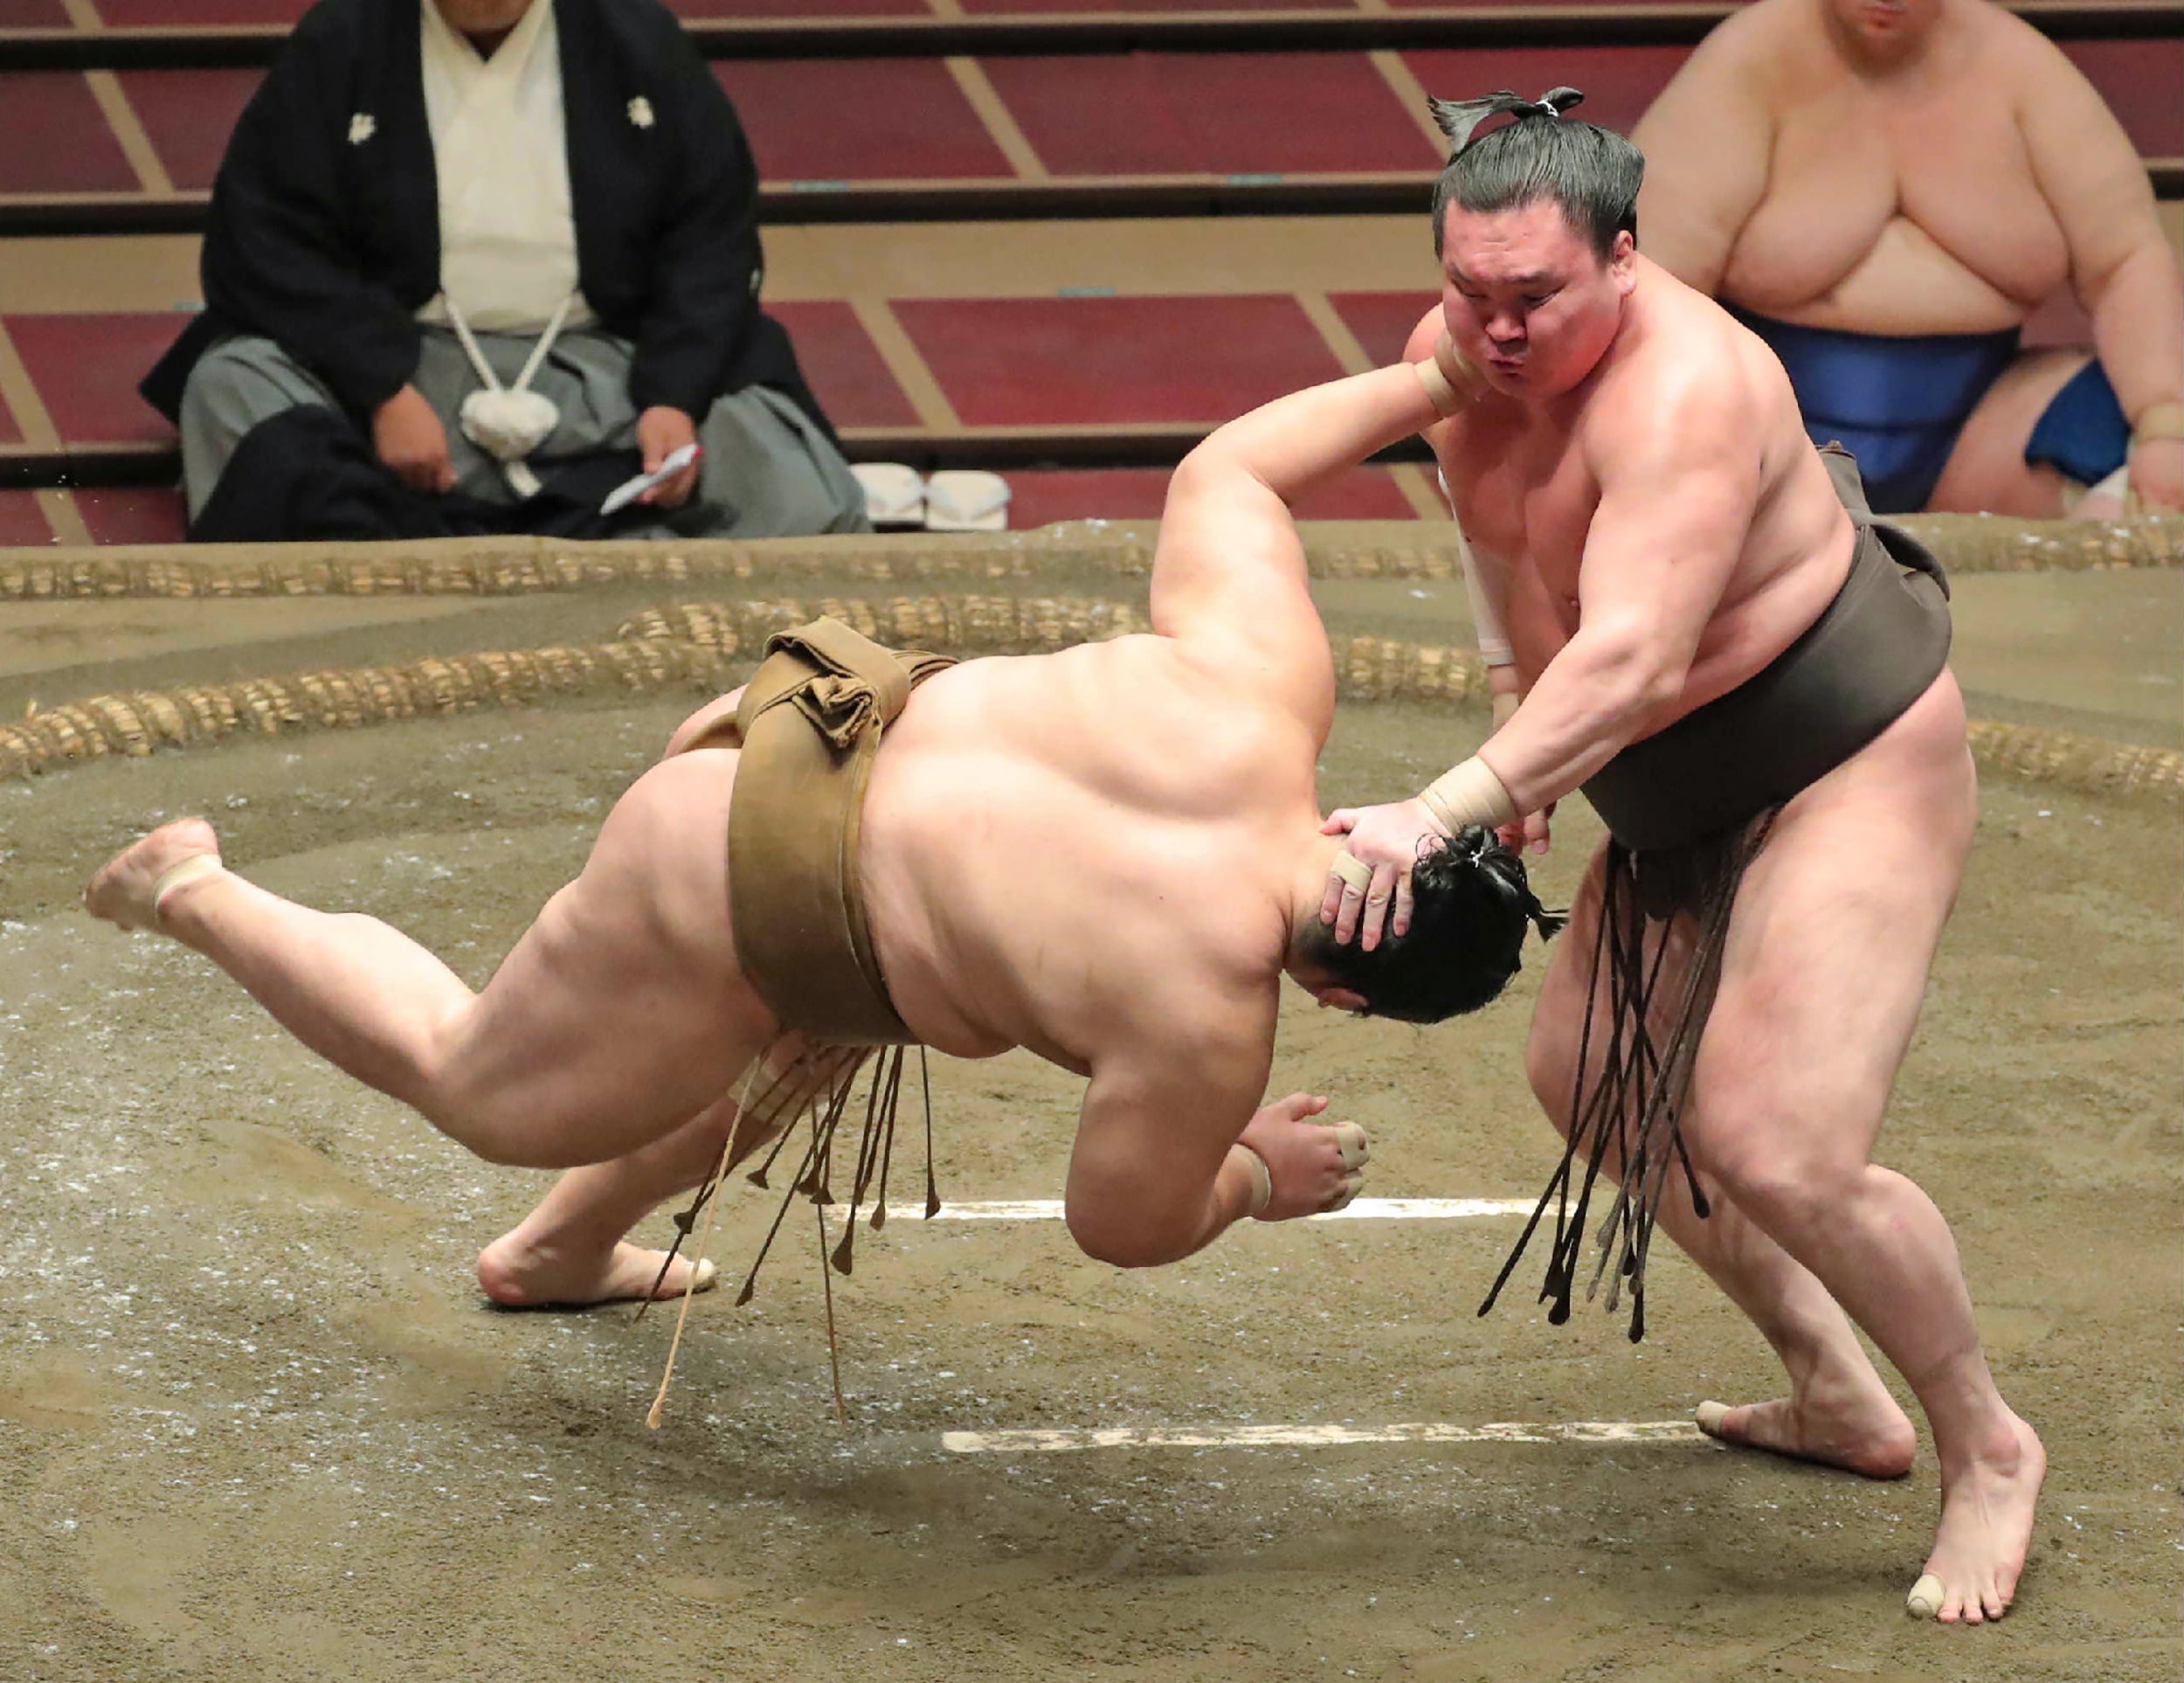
(500, 144)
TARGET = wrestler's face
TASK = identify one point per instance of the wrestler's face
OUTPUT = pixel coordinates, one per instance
(1525, 297)
(482, 16)
(1883, 29)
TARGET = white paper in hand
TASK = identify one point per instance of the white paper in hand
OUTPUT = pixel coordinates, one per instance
(630, 489)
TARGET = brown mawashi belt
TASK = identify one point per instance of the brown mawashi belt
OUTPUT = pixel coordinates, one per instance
(810, 726)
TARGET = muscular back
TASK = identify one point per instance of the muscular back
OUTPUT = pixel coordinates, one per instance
(1028, 823)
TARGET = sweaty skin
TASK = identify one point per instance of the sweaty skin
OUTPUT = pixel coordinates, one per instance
(1104, 855)
(1901, 167)
(1658, 529)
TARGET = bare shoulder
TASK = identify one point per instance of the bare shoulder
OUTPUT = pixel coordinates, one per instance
(1690, 380)
(1749, 53)
(1195, 1041)
(2033, 72)
(2005, 38)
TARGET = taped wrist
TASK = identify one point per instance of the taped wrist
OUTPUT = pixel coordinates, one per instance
(1469, 794)
(1261, 1179)
(1449, 379)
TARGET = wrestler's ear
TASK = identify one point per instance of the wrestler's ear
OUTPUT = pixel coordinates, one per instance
(1342, 998)
(1622, 259)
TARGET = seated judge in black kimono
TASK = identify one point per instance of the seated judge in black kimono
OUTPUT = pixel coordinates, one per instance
(470, 265)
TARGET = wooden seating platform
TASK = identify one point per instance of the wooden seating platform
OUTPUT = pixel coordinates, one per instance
(117, 33)
(885, 139)
(1060, 238)
(1081, 358)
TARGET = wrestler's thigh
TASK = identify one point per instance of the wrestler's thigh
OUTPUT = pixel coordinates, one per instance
(1825, 966)
(1987, 470)
(620, 1013)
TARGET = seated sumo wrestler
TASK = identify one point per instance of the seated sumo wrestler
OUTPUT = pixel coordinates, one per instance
(1885, 191)
(1108, 856)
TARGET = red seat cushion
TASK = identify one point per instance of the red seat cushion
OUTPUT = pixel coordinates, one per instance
(1073, 362)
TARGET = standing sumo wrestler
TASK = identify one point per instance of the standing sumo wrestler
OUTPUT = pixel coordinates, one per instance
(1702, 626)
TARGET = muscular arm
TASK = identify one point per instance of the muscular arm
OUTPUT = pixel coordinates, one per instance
(1707, 141)
(2121, 266)
(1676, 497)
(1229, 575)
(1157, 1174)
(1677, 461)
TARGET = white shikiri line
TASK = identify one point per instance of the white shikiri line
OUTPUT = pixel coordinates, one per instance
(1362, 1209)
(1033, 1440)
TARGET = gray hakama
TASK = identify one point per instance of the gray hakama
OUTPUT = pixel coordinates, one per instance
(768, 470)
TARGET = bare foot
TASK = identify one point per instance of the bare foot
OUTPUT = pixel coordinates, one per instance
(517, 1275)
(1987, 1509)
(127, 890)
(1855, 1425)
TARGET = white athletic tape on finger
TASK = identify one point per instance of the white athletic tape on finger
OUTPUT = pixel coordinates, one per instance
(1363, 1209)
(1350, 1186)
(1353, 1144)
(1019, 1440)
(1353, 870)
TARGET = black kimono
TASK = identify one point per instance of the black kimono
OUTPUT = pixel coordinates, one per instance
(324, 235)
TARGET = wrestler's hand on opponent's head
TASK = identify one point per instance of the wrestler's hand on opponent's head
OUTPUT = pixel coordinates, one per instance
(1314, 1167)
(1374, 879)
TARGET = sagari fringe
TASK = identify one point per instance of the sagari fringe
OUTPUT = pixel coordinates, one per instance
(816, 1087)
(1626, 1120)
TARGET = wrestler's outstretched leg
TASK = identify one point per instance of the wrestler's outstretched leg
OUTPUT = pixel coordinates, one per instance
(617, 1017)
(1838, 1411)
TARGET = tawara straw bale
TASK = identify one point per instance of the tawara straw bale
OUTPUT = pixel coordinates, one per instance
(516, 566)
(699, 643)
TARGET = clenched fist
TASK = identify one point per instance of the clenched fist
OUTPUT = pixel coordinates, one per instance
(1316, 1169)
(409, 438)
